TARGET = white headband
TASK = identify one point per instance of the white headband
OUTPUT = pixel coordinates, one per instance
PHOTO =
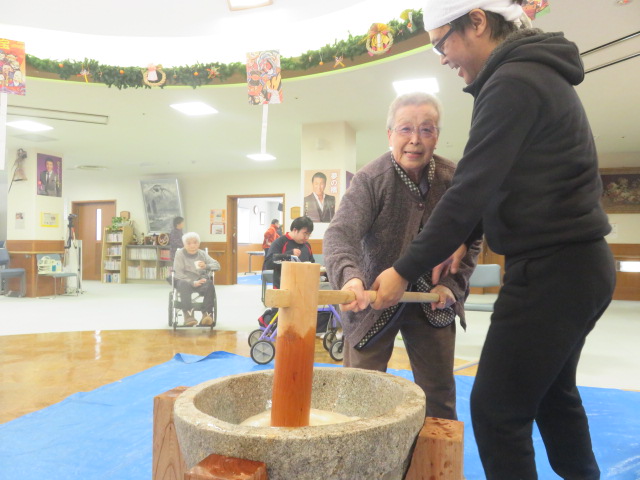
(437, 13)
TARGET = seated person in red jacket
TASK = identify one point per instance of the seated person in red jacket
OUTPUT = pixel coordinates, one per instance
(293, 243)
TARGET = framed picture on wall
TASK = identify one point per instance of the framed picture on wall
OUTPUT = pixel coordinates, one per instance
(620, 190)
(262, 217)
(321, 190)
(49, 175)
(162, 203)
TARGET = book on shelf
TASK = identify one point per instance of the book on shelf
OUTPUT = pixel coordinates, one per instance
(112, 264)
(114, 237)
(112, 278)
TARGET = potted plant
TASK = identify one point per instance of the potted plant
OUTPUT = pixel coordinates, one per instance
(116, 224)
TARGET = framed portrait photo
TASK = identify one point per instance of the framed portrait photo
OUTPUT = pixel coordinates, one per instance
(49, 175)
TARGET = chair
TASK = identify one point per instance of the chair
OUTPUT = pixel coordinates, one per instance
(6, 273)
(485, 275)
(50, 265)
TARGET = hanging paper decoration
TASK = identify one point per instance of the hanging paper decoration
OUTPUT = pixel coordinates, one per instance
(13, 71)
(407, 16)
(339, 61)
(264, 77)
(379, 39)
(536, 8)
(13, 74)
(150, 76)
(84, 73)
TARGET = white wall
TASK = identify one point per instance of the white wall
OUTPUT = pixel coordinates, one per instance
(200, 194)
(625, 228)
(24, 199)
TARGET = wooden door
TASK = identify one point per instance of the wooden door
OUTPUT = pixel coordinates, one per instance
(91, 220)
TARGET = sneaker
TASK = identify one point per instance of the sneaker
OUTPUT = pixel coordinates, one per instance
(207, 320)
(189, 321)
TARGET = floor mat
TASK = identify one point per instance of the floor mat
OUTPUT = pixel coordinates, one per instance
(107, 433)
(250, 279)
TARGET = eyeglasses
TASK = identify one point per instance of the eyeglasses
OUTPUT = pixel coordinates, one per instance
(437, 48)
(423, 131)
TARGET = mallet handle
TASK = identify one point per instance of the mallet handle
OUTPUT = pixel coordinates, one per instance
(281, 298)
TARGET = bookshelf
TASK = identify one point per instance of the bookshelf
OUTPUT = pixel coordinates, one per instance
(113, 266)
(148, 263)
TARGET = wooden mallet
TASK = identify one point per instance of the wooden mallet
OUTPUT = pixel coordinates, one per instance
(298, 300)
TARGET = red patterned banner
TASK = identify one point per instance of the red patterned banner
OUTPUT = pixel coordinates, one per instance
(13, 71)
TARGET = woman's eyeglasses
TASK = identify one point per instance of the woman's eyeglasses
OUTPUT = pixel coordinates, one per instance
(423, 131)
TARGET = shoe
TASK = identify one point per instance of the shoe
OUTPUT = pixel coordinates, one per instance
(189, 321)
(207, 320)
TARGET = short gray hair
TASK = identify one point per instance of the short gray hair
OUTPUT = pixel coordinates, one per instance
(415, 98)
(190, 235)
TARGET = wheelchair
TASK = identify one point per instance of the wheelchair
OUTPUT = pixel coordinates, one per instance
(176, 317)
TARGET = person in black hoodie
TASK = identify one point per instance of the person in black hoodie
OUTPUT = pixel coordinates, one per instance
(529, 181)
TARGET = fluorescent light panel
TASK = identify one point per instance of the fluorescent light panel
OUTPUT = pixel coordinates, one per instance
(427, 85)
(29, 126)
(194, 108)
(261, 157)
(244, 4)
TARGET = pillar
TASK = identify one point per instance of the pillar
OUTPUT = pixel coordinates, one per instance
(326, 147)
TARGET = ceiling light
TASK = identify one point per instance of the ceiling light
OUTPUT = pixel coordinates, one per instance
(29, 125)
(427, 85)
(194, 108)
(261, 157)
(244, 4)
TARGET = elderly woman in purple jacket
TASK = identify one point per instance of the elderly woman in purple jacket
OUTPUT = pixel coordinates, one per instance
(388, 202)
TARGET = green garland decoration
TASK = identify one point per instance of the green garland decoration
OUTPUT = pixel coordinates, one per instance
(197, 75)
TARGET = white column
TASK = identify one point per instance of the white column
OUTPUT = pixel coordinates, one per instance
(327, 146)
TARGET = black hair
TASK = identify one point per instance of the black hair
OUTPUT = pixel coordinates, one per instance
(177, 221)
(274, 221)
(500, 27)
(319, 175)
(302, 222)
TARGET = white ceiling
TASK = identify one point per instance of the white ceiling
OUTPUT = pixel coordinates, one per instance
(144, 136)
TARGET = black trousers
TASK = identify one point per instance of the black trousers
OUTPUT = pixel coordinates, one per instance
(185, 289)
(527, 370)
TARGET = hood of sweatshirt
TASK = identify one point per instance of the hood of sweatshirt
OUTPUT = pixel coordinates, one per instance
(533, 45)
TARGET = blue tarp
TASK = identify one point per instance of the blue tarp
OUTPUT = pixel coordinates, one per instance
(107, 433)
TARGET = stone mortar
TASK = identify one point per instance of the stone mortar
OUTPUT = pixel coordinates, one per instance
(377, 446)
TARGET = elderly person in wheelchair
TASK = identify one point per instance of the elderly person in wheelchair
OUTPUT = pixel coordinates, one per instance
(192, 270)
